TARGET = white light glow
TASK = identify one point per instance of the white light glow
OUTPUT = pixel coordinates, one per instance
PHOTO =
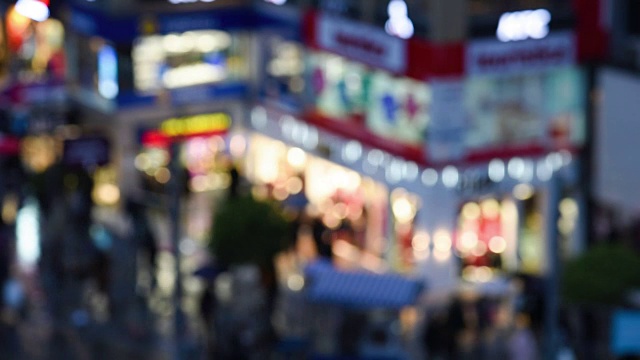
(522, 25)
(352, 151)
(28, 235)
(450, 176)
(496, 170)
(375, 157)
(429, 177)
(497, 244)
(276, 2)
(403, 210)
(108, 72)
(33, 9)
(516, 168)
(295, 282)
(420, 241)
(523, 191)
(296, 157)
(411, 171)
(442, 241)
(468, 241)
(399, 23)
(194, 74)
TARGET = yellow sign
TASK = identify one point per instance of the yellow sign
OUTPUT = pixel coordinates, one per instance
(196, 124)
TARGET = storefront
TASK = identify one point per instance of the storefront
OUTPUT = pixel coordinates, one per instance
(483, 156)
(513, 152)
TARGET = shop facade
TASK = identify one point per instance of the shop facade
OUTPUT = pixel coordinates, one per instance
(477, 146)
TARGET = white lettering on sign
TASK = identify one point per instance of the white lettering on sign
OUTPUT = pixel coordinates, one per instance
(522, 25)
(361, 42)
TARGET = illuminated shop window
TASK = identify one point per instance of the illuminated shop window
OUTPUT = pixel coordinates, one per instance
(36, 47)
(354, 209)
(191, 58)
(496, 236)
(404, 207)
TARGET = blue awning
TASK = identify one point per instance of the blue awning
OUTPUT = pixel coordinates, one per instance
(326, 284)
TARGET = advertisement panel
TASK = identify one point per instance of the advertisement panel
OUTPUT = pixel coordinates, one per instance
(507, 114)
(545, 109)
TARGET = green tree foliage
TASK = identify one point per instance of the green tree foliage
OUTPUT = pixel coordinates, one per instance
(602, 275)
(248, 231)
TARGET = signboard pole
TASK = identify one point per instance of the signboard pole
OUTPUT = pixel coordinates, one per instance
(174, 213)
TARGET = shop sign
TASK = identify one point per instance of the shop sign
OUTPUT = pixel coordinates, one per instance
(490, 56)
(361, 42)
(196, 125)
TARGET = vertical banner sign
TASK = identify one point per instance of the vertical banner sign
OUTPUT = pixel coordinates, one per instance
(446, 134)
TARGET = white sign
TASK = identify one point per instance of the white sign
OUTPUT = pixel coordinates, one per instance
(362, 43)
(522, 25)
(493, 57)
(445, 138)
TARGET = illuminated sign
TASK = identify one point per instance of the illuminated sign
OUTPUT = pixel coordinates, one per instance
(522, 25)
(195, 125)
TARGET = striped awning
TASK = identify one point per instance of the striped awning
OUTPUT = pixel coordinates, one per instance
(326, 284)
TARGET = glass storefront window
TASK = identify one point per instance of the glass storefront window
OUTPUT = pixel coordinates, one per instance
(494, 236)
(191, 58)
(352, 209)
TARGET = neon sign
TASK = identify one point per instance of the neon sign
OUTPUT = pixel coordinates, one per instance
(195, 125)
(522, 25)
